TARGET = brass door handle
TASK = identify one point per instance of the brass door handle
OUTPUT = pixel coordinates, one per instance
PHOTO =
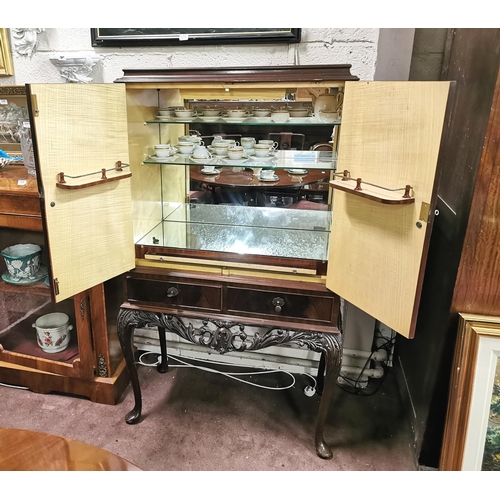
(278, 303)
(172, 291)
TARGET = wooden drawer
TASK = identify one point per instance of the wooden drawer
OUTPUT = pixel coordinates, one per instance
(263, 303)
(175, 294)
(20, 205)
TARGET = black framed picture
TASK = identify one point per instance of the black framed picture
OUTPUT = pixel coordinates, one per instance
(126, 37)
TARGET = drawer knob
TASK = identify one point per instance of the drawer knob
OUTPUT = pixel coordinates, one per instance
(278, 303)
(172, 291)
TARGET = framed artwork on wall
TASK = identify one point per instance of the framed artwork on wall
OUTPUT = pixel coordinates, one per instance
(125, 37)
(6, 66)
(472, 432)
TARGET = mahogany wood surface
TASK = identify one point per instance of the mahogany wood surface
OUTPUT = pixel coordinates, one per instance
(313, 73)
(99, 390)
(24, 450)
(477, 288)
(231, 296)
(319, 266)
(230, 177)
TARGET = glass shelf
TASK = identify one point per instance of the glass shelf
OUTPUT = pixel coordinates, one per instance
(269, 231)
(293, 122)
(289, 159)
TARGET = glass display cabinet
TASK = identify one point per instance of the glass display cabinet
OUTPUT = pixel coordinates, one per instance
(341, 206)
(91, 363)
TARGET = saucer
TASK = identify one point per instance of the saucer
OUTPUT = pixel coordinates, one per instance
(201, 160)
(274, 178)
(297, 171)
(209, 118)
(164, 118)
(262, 158)
(209, 172)
(40, 275)
(234, 120)
(163, 158)
(262, 119)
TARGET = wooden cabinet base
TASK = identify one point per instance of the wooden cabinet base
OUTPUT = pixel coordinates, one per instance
(99, 390)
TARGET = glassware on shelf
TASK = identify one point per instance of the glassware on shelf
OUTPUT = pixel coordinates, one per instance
(27, 147)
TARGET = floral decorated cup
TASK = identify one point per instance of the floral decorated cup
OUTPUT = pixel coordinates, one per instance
(22, 260)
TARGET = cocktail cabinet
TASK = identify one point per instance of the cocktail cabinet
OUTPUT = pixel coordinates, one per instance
(229, 257)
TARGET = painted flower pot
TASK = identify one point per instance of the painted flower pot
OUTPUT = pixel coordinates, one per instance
(22, 260)
(53, 332)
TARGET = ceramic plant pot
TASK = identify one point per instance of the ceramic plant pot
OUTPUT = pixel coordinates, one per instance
(22, 260)
(53, 332)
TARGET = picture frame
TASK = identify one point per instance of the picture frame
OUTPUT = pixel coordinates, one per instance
(6, 66)
(472, 431)
(128, 37)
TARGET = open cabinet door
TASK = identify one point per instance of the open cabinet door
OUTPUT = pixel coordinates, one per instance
(390, 136)
(80, 130)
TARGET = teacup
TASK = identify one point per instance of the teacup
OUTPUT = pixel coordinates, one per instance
(211, 111)
(273, 145)
(261, 112)
(220, 149)
(235, 152)
(248, 142)
(328, 116)
(185, 147)
(165, 112)
(163, 150)
(185, 113)
(280, 116)
(262, 150)
(208, 168)
(299, 112)
(236, 113)
(267, 173)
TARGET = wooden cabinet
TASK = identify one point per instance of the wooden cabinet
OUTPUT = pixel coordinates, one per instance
(92, 365)
(109, 205)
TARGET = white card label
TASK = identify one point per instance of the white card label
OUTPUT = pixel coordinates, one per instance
(3, 102)
(183, 37)
(22, 182)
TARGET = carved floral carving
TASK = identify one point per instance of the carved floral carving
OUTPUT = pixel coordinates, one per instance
(75, 66)
(25, 40)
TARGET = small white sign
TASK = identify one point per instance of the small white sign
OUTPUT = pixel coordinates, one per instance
(3, 102)
(26, 125)
(22, 182)
(183, 37)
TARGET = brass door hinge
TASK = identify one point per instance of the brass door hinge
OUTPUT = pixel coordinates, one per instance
(425, 210)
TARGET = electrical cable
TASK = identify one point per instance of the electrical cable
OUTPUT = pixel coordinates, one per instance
(232, 375)
(14, 386)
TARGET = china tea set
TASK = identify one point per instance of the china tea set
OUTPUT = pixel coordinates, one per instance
(326, 108)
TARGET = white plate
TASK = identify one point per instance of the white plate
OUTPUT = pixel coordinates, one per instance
(178, 119)
(234, 120)
(297, 171)
(201, 160)
(209, 118)
(262, 158)
(164, 158)
(211, 172)
(262, 119)
(267, 179)
(164, 118)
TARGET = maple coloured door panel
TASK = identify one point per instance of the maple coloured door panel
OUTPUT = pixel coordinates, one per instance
(81, 130)
(390, 136)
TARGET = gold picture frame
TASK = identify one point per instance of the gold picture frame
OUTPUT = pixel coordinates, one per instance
(6, 66)
(472, 431)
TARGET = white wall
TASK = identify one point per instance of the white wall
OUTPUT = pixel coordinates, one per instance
(360, 47)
